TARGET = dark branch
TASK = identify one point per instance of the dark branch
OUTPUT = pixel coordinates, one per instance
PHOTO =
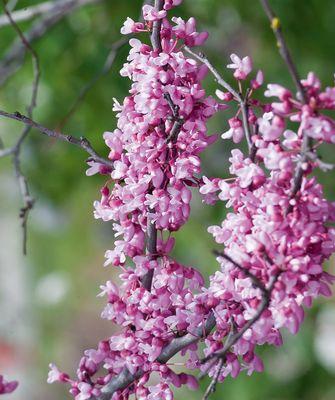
(151, 228)
(47, 7)
(283, 48)
(125, 378)
(14, 57)
(286, 55)
(156, 29)
(256, 282)
(81, 142)
(28, 201)
(104, 71)
(176, 118)
(232, 339)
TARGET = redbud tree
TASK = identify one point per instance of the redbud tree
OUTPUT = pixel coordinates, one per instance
(271, 246)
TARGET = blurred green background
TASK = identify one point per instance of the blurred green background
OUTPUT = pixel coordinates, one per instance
(48, 305)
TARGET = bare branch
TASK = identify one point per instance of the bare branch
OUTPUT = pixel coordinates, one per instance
(28, 13)
(286, 55)
(28, 201)
(104, 71)
(283, 48)
(81, 142)
(14, 57)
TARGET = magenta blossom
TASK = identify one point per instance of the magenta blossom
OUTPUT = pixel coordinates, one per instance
(7, 386)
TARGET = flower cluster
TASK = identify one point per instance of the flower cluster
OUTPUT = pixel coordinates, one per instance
(155, 149)
(150, 320)
(275, 238)
(6, 386)
(278, 229)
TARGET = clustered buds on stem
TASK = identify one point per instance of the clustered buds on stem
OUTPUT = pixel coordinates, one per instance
(276, 236)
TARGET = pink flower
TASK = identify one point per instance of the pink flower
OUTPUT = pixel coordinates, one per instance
(258, 81)
(130, 26)
(151, 14)
(271, 127)
(6, 386)
(209, 186)
(224, 96)
(55, 375)
(236, 131)
(275, 90)
(242, 67)
(187, 32)
(171, 3)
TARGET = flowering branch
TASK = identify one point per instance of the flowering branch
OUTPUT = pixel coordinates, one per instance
(123, 380)
(162, 307)
(235, 335)
(151, 227)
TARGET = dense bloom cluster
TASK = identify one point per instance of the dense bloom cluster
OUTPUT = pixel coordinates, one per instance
(6, 386)
(155, 149)
(276, 236)
(279, 227)
(154, 164)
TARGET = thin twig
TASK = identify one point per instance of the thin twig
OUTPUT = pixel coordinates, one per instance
(238, 97)
(85, 89)
(283, 48)
(324, 166)
(28, 13)
(104, 71)
(286, 55)
(212, 386)
(14, 57)
(81, 142)
(28, 201)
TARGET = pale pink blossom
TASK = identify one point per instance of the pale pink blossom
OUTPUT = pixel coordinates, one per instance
(242, 66)
(151, 14)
